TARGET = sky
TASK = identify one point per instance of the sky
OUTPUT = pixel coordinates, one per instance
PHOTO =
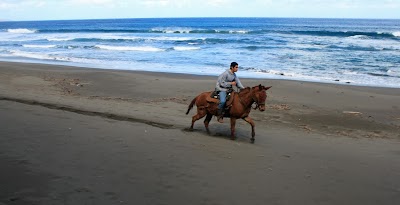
(28, 10)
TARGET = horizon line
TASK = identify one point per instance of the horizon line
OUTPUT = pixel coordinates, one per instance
(81, 19)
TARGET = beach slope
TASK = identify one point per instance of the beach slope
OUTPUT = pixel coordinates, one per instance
(74, 135)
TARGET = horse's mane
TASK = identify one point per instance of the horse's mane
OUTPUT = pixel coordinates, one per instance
(246, 89)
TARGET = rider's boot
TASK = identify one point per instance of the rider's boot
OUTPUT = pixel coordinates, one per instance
(220, 116)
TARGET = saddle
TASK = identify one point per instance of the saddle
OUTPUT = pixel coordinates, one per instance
(214, 98)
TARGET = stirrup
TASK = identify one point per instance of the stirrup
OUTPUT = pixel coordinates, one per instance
(220, 119)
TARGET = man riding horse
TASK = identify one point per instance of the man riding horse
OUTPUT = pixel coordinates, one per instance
(224, 84)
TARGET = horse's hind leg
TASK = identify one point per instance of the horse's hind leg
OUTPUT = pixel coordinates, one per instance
(251, 122)
(233, 125)
(200, 114)
(207, 121)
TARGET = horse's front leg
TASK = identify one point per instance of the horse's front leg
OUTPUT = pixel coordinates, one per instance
(251, 122)
(233, 124)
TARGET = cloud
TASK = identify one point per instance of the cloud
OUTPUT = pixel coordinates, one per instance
(105, 3)
(168, 3)
(155, 3)
(5, 5)
(14, 4)
(100, 2)
(217, 3)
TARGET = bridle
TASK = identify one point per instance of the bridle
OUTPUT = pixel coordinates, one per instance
(253, 97)
(256, 101)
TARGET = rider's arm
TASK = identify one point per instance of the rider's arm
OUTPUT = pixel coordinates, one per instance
(238, 83)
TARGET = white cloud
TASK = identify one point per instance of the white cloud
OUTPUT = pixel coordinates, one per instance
(21, 4)
(217, 3)
(168, 3)
(155, 3)
(101, 3)
(5, 5)
(97, 2)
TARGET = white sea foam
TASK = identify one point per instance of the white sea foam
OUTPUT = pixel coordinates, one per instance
(60, 39)
(172, 30)
(38, 56)
(397, 33)
(165, 38)
(392, 72)
(39, 46)
(21, 30)
(239, 31)
(115, 37)
(130, 48)
(359, 37)
(182, 48)
(51, 58)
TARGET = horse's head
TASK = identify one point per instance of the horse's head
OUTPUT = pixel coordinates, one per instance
(260, 96)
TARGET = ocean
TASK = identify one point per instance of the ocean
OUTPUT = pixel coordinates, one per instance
(363, 52)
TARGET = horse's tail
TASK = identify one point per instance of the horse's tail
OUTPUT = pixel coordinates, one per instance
(191, 105)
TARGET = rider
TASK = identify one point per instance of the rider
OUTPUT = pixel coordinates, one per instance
(224, 83)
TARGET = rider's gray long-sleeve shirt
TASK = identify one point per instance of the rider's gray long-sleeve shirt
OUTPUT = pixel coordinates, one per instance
(225, 79)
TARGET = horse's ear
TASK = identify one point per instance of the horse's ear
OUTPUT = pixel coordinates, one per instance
(260, 87)
(266, 88)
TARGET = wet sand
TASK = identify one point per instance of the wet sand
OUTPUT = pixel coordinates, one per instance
(85, 136)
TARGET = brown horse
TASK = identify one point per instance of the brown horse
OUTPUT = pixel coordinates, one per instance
(239, 107)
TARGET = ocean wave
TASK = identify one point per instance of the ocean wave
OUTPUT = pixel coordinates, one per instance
(359, 37)
(91, 31)
(181, 48)
(39, 56)
(166, 38)
(21, 30)
(383, 75)
(187, 30)
(60, 39)
(52, 58)
(393, 73)
(152, 30)
(254, 48)
(171, 30)
(239, 31)
(356, 48)
(124, 39)
(354, 34)
(130, 48)
(39, 46)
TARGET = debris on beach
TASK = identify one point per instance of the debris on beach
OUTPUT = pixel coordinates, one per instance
(305, 127)
(352, 112)
(280, 107)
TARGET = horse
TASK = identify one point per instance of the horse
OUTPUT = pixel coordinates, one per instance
(239, 106)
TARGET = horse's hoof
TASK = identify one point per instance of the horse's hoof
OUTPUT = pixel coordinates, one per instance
(233, 138)
(252, 140)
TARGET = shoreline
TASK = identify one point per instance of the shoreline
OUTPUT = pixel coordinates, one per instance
(333, 82)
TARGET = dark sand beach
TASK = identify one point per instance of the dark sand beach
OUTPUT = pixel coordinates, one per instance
(72, 135)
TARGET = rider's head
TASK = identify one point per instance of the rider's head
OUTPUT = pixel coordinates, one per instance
(233, 64)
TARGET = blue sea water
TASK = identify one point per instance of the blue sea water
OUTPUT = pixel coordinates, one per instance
(340, 51)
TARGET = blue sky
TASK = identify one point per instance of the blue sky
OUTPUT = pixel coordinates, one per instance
(100, 9)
